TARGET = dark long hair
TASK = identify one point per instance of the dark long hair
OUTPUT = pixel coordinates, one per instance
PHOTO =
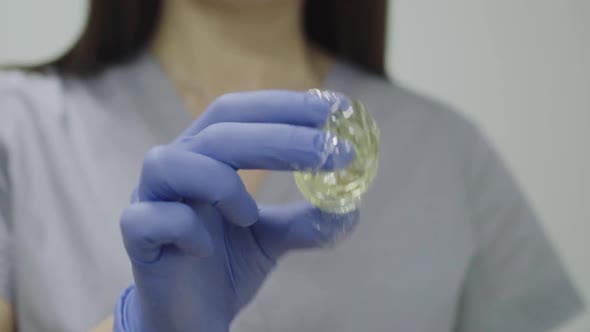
(118, 30)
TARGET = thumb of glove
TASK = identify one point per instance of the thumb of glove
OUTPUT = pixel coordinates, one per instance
(300, 226)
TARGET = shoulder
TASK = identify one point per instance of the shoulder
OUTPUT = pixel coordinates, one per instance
(26, 97)
(34, 89)
(32, 106)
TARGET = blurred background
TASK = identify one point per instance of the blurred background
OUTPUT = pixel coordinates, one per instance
(519, 68)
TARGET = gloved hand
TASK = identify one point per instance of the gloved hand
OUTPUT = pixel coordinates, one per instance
(199, 245)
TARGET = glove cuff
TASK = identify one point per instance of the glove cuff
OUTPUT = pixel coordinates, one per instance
(123, 323)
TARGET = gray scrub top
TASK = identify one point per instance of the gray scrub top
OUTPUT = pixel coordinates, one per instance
(446, 241)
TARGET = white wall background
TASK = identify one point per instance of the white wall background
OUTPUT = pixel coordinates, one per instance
(521, 68)
(34, 31)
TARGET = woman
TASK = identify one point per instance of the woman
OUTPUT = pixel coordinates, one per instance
(446, 243)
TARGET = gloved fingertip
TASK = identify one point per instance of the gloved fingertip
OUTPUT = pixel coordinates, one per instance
(315, 99)
(331, 228)
(302, 226)
(341, 102)
(329, 101)
(339, 153)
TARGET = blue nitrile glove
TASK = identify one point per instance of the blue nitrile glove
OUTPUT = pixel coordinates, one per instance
(200, 246)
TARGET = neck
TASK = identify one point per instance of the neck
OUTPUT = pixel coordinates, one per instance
(211, 49)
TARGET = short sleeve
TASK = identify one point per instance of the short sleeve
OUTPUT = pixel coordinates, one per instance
(515, 282)
(25, 99)
(11, 104)
(5, 255)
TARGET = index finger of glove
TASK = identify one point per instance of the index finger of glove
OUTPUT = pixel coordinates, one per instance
(266, 106)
